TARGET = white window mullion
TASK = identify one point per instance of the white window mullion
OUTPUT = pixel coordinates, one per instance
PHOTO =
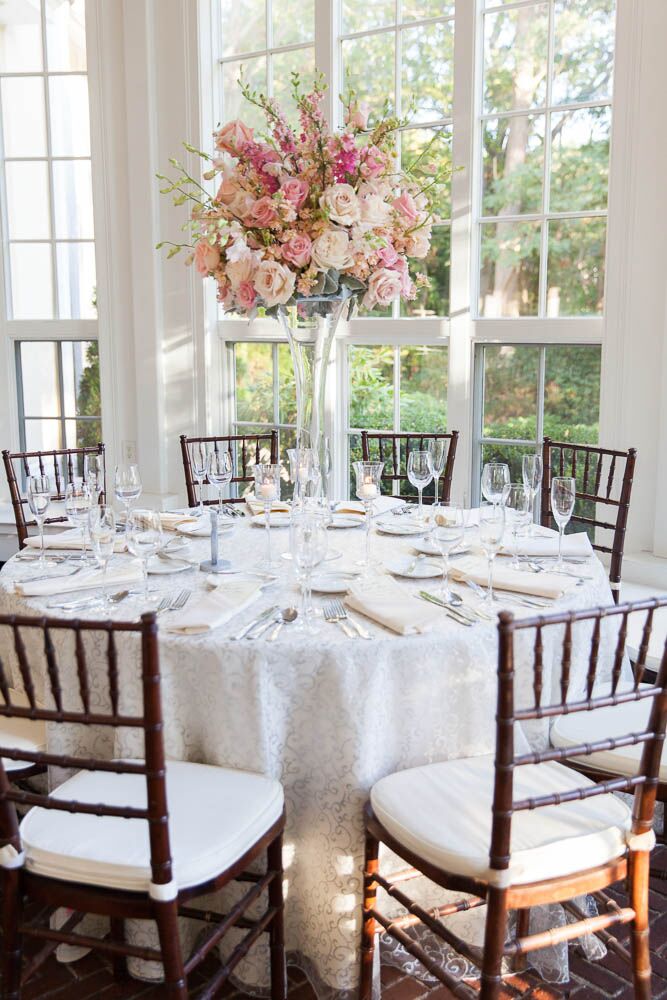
(49, 155)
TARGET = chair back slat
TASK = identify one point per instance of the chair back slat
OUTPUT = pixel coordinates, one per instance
(52, 670)
(4, 682)
(619, 654)
(593, 658)
(566, 662)
(377, 445)
(82, 671)
(241, 447)
(112, 661)
(640, 663)
(538, 681)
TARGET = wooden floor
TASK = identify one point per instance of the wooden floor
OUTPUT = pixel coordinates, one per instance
(91, 977)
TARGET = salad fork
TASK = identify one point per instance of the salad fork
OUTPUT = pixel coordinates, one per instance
(331, 615)
(342, 612)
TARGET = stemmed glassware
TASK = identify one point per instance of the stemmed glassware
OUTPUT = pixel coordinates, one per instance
(93, 475)
(127, 486)
(144, 539)
(102, 521)
(39, 498)
(491, 529)
(563, 495)
(420, 474)
(495, 477)
(447, 533)
(304, 469)
(78, 501)
(199, 466)
(308, 547)
(368, 476)
(531, 470)
(267, 490)
(220, 470)
(437, 451)
(517, 500)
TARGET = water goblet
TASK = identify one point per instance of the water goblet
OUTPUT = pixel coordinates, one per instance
(446, 534)
(495, 477)
(220, 470)
(531, 471)
(144, 539)
(127, 485)
(102, 523)
(267, 490)
(39, 498)
(368, 476)
(93, 475)
(491, 530)
(437, 451)
(78, 501)
(420, 475)
(308, 547)
(516, 501)
(199, 466)
(563, 495)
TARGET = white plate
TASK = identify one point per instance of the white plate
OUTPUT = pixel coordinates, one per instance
(424, 570)
(330, 583)
(426, 546)
(278, 520)
(347, 520)
(400, 528)
(159, 567)
(203, 530)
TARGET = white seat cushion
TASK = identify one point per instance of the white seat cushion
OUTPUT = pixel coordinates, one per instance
(607, 723)
(215, 816)
(442, 812)
(22, 734)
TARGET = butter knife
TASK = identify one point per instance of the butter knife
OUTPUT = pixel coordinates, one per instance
(254, 622)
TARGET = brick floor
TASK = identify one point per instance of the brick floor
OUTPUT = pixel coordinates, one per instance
(91, 977)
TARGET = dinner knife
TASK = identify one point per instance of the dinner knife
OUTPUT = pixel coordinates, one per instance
(254, 622)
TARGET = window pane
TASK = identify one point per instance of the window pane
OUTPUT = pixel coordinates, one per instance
(66, 35)
(70, 117)
(509, 282)
(511, 454)
(243, 26)
(81, 378)
(83, 433)
(572, 393)
(32, 282)
(73, 199)
(515, 58)
(427, 59)
(39, 378)
(423, 389)
(293, 21)
(23, 121)
(254, 382)
(234, 105)
(511, 377)
(76, 280)
(20, 37)
(580, 159)
(513, 165)
(427, 151)
(284, 63)
(27, 200)
(434, 300)
(42, 435)
(287, 386)
(575, 271)
(370, 14)
(371, 374)
(583, 50)
(368, 67)
(413, 9)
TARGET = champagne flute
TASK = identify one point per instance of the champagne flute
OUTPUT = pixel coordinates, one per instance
(39, 498)
(368, 475)
(420, 475)
(102, 522)
(437, 451)
(447, 533)
(267, 489)
(495, 477)
(199, 466)
(78, 501)
(563, 495)
(491, 529)
(144, 539)
(127, 485)
(516, 500)
(220, 471)
(93, 475)
(308, 547)
(531, 471)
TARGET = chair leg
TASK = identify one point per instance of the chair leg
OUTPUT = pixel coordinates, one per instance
(277, 928)
(119, 962)
(639, 939)
(166, 916)
(522, 925)
(11, 939)
(494, 940)
(367, 921)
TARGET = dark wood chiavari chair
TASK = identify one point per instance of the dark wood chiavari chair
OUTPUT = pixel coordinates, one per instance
(516, 830)
(62, 466)
(246, 450)
(603, 476)
(394, 450)
(82, 847)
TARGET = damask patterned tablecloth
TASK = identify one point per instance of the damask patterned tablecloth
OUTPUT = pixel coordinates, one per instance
(326, 715)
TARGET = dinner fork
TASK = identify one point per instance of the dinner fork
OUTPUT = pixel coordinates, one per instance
(343, 614)
(331, 615)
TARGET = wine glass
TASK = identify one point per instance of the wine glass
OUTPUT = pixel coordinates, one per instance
(127, 485)
(102, 523)
(39, 498)
(517, 500)
(495, 477)
(267, 489)
(144, 539)
(563, 495)
(531, 470)
(447, 533)
(93, 475)
(199, 466)
(308, 547)
(78, 501)
(420, 475)
(368, 475)
(491, 529)
(220, 470)
(304, 469)
(437, 451)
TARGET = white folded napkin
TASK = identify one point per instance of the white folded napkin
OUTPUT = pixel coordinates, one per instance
(170, 520)
(70, 539)
(545, 584)
(576, 546)
(257, 506)
(212, 608)
(354, 507)
(389, 604)
(119, 574)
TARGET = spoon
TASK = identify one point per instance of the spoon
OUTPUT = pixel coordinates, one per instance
(77, 605)
(288, 615)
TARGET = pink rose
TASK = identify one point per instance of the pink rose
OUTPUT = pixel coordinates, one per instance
(388, 255)
(233, 136)
(263, 212)
(383, 287)
(297, 250)
(405, 205)
(357, 115)
(246, 295)
(274, 282)
(207, 257)
(374, 162)
(400, 265)
(295, 190)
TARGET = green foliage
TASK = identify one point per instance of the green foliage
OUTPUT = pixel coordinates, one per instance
(88, 399)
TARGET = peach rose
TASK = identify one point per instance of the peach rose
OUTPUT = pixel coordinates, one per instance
(233, 136)
(242, 269)
(342, 204)
(263, 213)
(332, 250)
(274, 282)
(246, 296)
(383, 287)
(297, 251)
(207, 257)
(357, 115)
(241, 204)
(295, 190)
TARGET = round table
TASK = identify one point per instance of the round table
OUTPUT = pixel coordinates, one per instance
(326, 715)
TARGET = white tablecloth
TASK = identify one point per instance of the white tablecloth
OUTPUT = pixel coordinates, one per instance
(327, 716)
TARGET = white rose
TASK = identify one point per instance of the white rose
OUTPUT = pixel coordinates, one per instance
(274, 282)
(419, 243)
(375, 211)
(382, 189)
(332, 250)
(342, 204)
(383, 287)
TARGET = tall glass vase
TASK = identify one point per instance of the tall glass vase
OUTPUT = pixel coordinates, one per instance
(310, 327)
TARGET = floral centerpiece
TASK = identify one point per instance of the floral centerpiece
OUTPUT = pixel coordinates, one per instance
(306, 222)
